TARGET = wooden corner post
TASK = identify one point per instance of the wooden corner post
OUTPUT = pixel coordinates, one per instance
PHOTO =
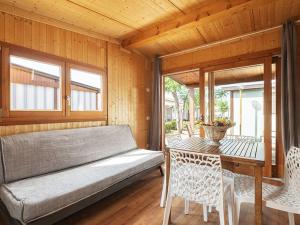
(268, 116)
(202, 97)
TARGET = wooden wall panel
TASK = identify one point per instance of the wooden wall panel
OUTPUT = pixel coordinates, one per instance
(129, 84)
(18, 129)
(52, 40)
(249, 45)
(129, 74)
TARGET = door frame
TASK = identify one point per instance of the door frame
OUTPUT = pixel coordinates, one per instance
(267, 61)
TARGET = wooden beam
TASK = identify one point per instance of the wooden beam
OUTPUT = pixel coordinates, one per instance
(268, 116)
(205, 13)
(53, 22)
(241, 79)
(226, 63)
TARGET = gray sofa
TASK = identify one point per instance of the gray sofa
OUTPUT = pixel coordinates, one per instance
(47, 176)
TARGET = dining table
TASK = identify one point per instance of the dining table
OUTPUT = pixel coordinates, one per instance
(237, 155)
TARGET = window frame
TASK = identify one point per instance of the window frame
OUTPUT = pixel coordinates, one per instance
(45, 116)
(85, 114)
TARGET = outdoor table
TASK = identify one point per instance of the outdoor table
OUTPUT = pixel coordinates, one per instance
(241, 156)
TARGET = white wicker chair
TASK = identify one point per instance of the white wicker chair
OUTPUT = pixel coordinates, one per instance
(285, 198)
(196, 177)
(173, 139)
(228, 177)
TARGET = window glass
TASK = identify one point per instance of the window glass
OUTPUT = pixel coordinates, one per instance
(34, 85)
(86, 91)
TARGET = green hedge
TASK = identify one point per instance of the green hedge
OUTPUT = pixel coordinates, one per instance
(170, 125)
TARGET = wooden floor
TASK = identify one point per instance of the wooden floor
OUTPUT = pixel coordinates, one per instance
(139, 205)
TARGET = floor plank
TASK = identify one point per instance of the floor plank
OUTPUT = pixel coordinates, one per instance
(138, 204)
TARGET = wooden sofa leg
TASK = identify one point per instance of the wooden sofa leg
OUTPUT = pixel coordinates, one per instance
(161, 170)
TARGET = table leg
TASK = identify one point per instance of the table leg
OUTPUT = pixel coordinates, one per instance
(258, 195)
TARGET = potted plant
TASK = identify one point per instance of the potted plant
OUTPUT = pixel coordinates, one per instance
(216, 130)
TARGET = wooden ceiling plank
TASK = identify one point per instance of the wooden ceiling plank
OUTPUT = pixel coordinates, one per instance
(135, 13)
(180, 41)
(53, 22)
(198, 17)
(101, 14)
(201, 36)
(71, 14)
(177, 7)
(186, 5)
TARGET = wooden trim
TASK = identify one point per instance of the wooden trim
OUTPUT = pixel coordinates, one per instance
(225, 63)
(202, 98)
(33, 52)
(31, 114)
(86, 68)
(279, 144)
(67, 96)
(268, 116)
(5, 87)
(26, 53)
(85, 114)
(39, 120)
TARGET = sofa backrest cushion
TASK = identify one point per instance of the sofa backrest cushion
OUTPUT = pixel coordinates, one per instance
(32, 154)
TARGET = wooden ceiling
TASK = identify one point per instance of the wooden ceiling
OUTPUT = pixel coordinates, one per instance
(158, 26)
(222, 77)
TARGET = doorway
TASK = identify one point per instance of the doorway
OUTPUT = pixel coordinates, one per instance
(247, 93)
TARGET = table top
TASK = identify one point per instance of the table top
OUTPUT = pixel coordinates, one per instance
(233, 150)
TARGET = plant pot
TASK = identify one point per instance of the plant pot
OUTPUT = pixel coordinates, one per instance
(215, 134)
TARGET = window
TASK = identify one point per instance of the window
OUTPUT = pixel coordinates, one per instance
(86, 90)
(40, 87)
(34, 85)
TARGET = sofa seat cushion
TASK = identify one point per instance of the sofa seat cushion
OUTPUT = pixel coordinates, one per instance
(32, 198)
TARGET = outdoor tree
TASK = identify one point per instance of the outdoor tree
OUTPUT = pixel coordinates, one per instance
(221, 102)
(179, 93)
